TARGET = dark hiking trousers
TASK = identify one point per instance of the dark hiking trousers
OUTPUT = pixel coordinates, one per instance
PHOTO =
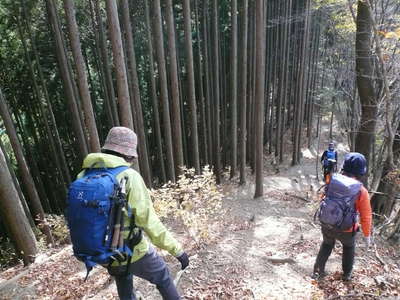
(329, 168)
(348, 242)
(150, 267)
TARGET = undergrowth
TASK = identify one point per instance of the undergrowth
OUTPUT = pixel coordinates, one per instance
(193, 199)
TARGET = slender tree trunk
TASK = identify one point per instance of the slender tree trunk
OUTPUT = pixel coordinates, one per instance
(54, 130)
(389, 115)
(280, 66)
(259, 96)
(216, 66)
(140, 128)
(154, 98)
(106, 65)
(269, 58)
(103, 93)
(301, 71)
(163, 85)
(175, 100)
(125, 112)
(243, 92)
(13, 215)
(94, 144)
(38, 95)
(251, 147)
(200, 90)
(286, 71)
(207, 79)
(17, 186)
(32, 160)
(233, 85)
(67, 80)
(192, 91)
(26, 176)
(365, 74)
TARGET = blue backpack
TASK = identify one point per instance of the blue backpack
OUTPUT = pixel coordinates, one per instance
(91, 206)
(330, 154)
(337, 210)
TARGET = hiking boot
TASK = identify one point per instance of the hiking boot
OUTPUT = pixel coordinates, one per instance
(318, 275)
(346, 277)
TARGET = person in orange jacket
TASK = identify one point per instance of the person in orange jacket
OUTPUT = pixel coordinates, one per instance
(354, 166)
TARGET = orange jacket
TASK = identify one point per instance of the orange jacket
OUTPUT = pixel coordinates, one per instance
(363, 207)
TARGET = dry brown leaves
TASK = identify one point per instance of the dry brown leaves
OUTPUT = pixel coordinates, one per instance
(237, 224)
(394, 178)
(61, 278)
(223, 287)
(11, 272)
(371, 280)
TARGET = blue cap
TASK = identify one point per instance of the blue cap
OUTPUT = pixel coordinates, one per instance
(355, 163)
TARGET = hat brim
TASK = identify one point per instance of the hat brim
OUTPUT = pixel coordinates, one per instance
(121, 149)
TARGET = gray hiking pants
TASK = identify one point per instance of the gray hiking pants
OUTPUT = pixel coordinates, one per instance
(150, 267)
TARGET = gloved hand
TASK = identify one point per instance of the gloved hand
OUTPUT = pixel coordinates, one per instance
(367, 240)
(183, 259)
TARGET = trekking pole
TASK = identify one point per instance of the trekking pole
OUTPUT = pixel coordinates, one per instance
(118, 216)
(122, 205)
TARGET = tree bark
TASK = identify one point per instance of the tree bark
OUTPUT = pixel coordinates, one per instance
(175, 99)
(192, 91)
(243, 92)
(207, 78)
(216, 129)
(140, 128)
(286, 99)
(158, 35)
(38, 95)
(259, 97)
(154, 98)
(106, 65)
(13, 215)
(37, 209)
(365, 72)
(67, 80)
(94, 144)
(48, 114)
(125, 112)
(200, 90)
(233, 86)
(17, 186)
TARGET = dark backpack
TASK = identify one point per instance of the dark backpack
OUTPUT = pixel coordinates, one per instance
(91, 206)
(337, 210)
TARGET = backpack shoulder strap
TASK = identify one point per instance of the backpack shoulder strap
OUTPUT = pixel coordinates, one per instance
(117, 170)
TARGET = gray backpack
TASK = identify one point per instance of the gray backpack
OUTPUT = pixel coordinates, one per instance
(337, 210)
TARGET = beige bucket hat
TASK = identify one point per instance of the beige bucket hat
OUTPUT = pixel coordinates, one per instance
(122, 140)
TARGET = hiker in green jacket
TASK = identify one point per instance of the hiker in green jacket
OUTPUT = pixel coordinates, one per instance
(120, 150)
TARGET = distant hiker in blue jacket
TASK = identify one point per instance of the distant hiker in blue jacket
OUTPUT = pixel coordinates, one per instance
(329, 161)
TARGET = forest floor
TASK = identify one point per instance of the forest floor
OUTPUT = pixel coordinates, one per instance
(261, 248)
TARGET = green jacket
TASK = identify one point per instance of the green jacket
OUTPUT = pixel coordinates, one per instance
(142, 207)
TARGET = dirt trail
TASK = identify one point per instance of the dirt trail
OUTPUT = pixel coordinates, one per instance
(265, 249)
(272, 254)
